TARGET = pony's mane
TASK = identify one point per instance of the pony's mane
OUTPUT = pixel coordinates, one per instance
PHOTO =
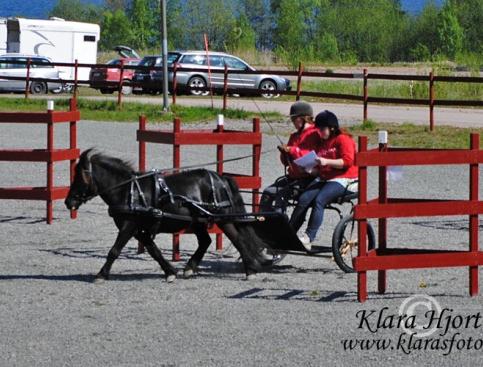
(115, 165)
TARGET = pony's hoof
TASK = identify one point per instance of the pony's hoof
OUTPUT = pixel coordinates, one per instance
(99, 280)
(188, 273)
(251, 277)
(171, 278)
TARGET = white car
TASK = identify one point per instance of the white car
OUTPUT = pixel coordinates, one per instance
(42, 69)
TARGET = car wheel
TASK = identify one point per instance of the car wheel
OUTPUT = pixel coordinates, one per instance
(38, 88)
(268, 85)
(106, 91)
(126, 89)
(197, 82)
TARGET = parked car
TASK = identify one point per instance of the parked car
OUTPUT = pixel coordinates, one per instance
(198, 60)
(44, 70)
(152, 79)
(98, 76)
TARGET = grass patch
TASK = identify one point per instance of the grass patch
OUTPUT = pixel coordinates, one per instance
(108, 110)
(418, 136)
(398, 89)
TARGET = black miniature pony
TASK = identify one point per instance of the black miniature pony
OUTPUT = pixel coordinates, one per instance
(143, 205)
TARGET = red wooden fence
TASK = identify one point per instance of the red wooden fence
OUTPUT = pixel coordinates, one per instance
(219, 137)
(364, 97)
(383, 208)
(50, 192)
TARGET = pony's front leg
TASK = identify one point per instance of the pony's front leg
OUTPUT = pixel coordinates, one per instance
(156, 254)
(126, 232)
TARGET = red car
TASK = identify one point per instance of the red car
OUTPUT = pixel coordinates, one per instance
(98, 76)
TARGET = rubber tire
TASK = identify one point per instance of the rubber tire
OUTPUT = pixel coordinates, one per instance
(38, 88)
(274, 86)
(126, 89)
(337, 238)
(201, 82)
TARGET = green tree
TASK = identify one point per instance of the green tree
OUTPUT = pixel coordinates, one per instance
(116, 30)
(143, 20)
(425, 29)
(470, 17)
(450, 33)
(242, 36)
(75, 10)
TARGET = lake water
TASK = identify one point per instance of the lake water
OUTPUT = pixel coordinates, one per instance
(31, 9)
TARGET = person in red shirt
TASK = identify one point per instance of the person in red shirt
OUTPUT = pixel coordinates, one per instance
(336, 173)
(301, 142)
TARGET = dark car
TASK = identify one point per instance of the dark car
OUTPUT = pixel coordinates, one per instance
(98, 76)
(151, 80)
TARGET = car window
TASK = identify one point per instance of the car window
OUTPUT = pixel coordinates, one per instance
(42, 63)
(216, 60)
(132, 62)
(114, 62)
(233, 63)
(172, 57)
(194, 59)
(4, 64)
(149, 61)
(11, 65)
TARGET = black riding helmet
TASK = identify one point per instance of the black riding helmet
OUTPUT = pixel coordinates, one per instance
(327, 119)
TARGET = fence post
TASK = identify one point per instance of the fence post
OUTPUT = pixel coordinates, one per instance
(50, 169)
(431, 101)
(176, 164)
(142, 162)
(119, 91)
(175, 82)
(362, 225)
(256, 151)
(76, 67)
(225, 87)
(382, 225)
(299, 81)
(27, 79)
(365, 95)
(474, 222)
(72, 145)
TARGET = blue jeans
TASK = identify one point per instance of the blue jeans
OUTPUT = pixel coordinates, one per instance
(318, 195)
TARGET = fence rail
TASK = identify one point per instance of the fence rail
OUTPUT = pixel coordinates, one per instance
(226, 90)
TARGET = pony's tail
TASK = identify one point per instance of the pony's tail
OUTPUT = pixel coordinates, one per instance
(254, 243)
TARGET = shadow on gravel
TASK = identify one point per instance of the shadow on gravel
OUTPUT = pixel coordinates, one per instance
(84, 278)
(95, 253)
(21, 219)
(87, 278)
(284, 294)
(455, 225)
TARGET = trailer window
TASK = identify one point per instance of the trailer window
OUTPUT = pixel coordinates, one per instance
(89, 38)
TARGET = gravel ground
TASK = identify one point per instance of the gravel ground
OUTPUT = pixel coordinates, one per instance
(299, 314)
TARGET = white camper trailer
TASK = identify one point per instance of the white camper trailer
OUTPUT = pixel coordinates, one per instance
(3, 36)
(57, 39)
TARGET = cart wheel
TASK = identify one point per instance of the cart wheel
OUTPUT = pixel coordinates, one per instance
(344, 242)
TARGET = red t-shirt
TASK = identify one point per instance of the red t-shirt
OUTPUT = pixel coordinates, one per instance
(300, 143)
(340, 146)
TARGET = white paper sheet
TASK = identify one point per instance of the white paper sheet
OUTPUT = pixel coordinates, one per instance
(308, 161)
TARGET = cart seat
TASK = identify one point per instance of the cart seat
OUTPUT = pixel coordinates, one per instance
(348, 197)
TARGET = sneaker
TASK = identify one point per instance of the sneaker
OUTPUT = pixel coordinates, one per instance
(306, 241)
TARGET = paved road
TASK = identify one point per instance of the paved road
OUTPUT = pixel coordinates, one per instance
(348, 113)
